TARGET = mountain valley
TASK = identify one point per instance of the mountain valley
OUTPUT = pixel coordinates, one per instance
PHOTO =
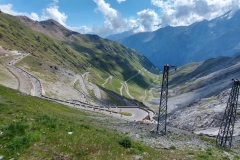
(56, 60)
(50, 62)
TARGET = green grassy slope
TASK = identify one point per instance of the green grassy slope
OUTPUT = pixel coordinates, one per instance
(32, 128)
(74, 51)
(200, 69)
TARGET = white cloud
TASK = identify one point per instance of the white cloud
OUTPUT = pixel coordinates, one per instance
(34, 16)
(148, 20)
(186, 12)
(172, 12)
(82, 29)
(114, 22)
(51, 12)
(7, 8)
(120, 1)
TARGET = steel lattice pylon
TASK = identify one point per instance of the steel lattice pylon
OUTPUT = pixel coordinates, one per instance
(162, 113)
(224, 137)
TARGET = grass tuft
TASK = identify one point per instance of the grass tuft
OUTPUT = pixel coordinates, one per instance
(126, 142)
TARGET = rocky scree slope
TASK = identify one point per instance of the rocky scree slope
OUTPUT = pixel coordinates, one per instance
(198, 95)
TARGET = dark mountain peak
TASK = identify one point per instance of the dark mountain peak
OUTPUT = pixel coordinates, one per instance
(50, 21)
(56, 28)
(53, 23)
(49, 27)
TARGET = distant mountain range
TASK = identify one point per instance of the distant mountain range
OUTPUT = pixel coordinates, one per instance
(116, 37)
(181, 45)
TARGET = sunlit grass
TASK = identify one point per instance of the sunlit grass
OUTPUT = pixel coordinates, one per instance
(32, 128)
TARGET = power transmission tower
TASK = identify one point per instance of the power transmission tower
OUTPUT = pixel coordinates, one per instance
(162, 113)
(224, 137)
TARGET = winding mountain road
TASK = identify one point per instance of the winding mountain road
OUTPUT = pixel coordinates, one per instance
(106, 80)
(125, 86)
(83, 88)
(138, 113)
(37, 87)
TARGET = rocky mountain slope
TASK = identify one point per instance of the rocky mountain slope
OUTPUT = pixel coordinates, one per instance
(198, 95)
(185, 44)
(58, 56)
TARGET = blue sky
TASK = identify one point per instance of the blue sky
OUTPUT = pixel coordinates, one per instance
(105, 17)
